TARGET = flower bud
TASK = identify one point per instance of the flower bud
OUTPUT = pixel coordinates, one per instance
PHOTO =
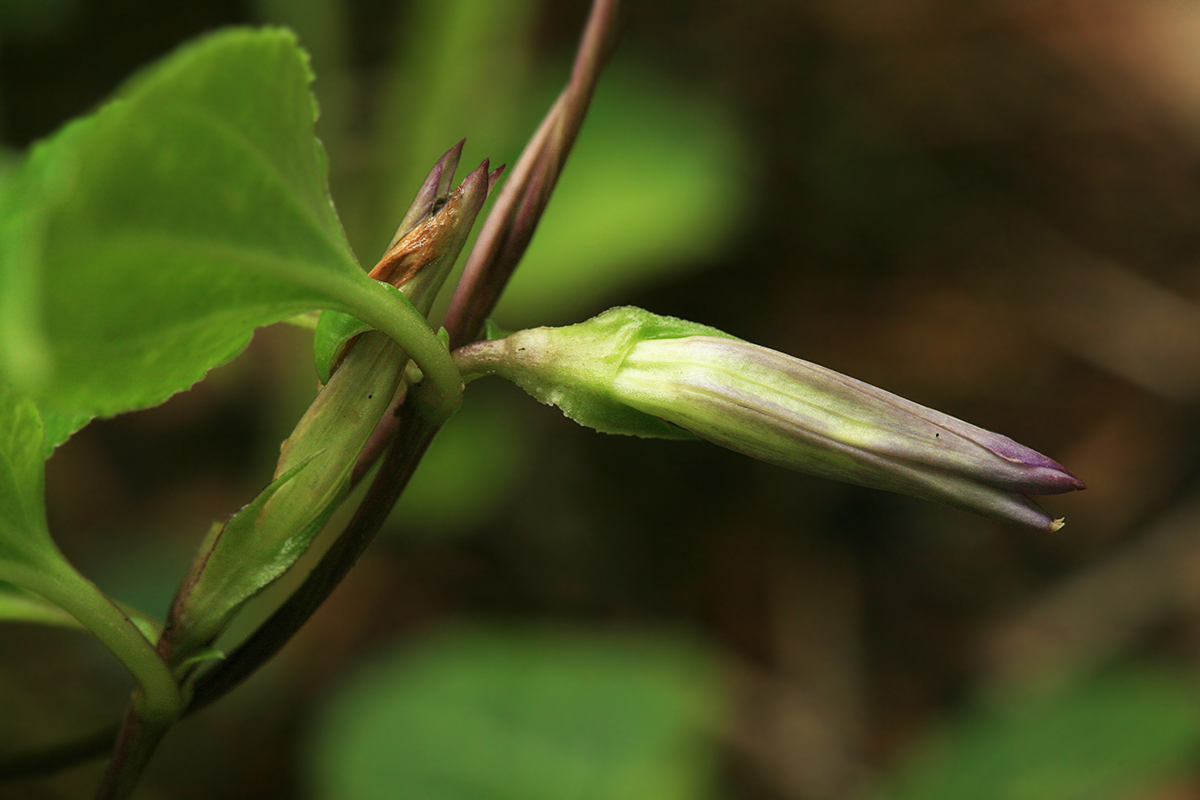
(316, 462)
(434, 230)
(628, 371)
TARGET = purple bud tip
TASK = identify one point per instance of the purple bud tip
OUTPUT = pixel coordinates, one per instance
(494, 176)
(447, 165)
(478, 175)
(1041, 475)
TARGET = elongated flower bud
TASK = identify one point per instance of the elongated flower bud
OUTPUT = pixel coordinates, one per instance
(316, 463)
(628, 371)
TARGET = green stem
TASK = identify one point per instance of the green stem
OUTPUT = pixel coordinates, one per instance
(387, 311)
(159, 698)
(481, 358)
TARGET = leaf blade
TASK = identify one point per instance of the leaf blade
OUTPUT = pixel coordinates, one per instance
(24, 535)
(167, 227)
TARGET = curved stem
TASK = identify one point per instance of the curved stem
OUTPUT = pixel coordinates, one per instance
(389, 313)
(158, 696)
(480, 358)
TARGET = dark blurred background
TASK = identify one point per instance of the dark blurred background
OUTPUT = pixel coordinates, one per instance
(990, 207)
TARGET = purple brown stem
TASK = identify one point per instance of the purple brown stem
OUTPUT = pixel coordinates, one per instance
(510, 226)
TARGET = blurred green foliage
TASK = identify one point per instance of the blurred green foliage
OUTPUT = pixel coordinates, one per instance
(492, 714)
(472, 470)
(34, 17)
(658, 185)
(1106, 738)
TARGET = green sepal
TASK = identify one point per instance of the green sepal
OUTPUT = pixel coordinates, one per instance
(493, 331)
(237, 560)
(201, 656)
(335, 329)
(573, 367)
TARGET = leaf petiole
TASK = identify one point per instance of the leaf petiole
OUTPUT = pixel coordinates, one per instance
(384, 308)
(158, 696)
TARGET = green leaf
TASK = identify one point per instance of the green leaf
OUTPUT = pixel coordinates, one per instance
(58, 426)
(1106, 739)
(30, 560)
(334, 332)
(553, 715)
(24, 537)
(143, 245)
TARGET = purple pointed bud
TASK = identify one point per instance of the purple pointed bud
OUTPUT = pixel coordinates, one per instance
(422, 253)
(419, 262)
(629, 371)
(808, 418)
(436, 186)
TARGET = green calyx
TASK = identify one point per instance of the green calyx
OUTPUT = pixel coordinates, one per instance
(632, 372)
(266, 538)
(574, 367)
